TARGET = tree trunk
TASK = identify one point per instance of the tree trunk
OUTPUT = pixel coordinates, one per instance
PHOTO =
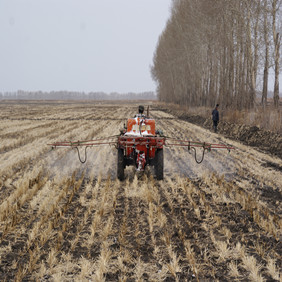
(266, 57)
(276, 41)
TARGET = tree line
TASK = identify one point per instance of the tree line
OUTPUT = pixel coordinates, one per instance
(219, 51)
(72, 95)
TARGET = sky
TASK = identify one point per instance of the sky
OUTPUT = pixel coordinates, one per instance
(79, 45)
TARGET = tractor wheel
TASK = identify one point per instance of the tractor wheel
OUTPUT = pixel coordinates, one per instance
(159, 164)
(120, 165)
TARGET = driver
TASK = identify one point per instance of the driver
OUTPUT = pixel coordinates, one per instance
(140, 112)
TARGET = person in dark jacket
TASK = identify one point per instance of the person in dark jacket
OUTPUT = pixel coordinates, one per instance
(215, 117)
(140, 112)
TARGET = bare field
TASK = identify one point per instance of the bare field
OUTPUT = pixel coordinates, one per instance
(61, 220)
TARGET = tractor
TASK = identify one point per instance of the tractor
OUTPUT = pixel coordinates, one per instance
(140, 145)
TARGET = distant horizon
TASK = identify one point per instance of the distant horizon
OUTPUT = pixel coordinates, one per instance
(258, 93)
(80, 92)
(71, 95)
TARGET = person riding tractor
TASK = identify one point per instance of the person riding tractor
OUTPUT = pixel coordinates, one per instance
(140, 112)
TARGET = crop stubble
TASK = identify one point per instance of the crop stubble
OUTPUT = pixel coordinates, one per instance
(64, 221)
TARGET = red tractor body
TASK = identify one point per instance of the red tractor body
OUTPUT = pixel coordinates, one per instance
(139, 145)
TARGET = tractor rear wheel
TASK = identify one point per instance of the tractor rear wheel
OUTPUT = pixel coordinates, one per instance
(120, 164)
(159, 164)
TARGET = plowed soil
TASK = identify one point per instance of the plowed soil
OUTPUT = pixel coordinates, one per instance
(61, 220)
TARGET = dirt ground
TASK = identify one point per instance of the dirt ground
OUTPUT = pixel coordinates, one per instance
(61, 220)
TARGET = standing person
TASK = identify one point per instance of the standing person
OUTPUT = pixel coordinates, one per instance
(215, 117)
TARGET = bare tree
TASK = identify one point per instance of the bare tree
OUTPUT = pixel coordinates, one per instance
(266, 54)
(211, 51)
(277, 43)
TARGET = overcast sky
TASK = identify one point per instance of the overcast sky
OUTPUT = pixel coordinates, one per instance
(79, 45)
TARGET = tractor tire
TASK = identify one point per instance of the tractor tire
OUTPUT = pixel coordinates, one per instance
(120, 165)
(159, 164)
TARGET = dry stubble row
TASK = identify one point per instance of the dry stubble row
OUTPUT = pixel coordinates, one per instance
(89, 226)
